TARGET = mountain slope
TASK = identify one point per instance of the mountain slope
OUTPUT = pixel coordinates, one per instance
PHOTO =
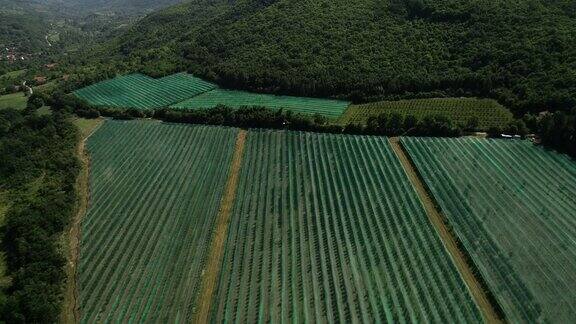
(87, 6)
(516, 51)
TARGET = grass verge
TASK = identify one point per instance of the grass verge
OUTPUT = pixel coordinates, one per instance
(212, 269)
(70, 312)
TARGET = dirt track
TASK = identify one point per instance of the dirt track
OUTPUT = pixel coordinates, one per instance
(70, 312)
(212, 269)
(480, 298)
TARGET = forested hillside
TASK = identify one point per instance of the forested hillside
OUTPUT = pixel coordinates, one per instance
(35, 33)
(87, 6)
(22, 31)
(520, 52)
(120, 6)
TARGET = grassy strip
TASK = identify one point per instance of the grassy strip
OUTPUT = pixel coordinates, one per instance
(212, 269)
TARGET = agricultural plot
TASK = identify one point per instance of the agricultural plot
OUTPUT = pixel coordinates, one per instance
(327, 228)
(14, 100)
(12, 74)
(155, 193)
(513, 206)
(237, 99)
(142, 92)
(488, 112)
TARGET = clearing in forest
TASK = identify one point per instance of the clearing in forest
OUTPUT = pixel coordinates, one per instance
(511, 204)
(487, 112)
(13, 100)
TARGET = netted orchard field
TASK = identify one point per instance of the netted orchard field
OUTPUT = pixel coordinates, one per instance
(155, 191)
(327, 228)
(143, 92)
(487, 112)
(184, 91)
(513, 206)
(237, 99)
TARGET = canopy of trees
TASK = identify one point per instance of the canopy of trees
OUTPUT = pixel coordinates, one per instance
(39, 169)
(558, 131)
(21, 31)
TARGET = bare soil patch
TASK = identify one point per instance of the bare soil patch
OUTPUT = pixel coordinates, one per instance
(71, 311)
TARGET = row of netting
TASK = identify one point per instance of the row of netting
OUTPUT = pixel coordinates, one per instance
(512, 205)
(142, 92)
(488, 112)
(236, 99)
(155, 191)
(327, 228)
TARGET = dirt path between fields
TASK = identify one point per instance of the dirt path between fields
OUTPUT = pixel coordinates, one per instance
(212, 268)
(71, 311)
(450, 242)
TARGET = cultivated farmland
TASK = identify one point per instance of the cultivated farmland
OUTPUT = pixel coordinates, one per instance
(513, 206)
(155, 191)
(237, 99)
(327, 228)
(488, 112)
(142, 92)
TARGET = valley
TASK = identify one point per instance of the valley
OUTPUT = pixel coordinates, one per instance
(364, 161)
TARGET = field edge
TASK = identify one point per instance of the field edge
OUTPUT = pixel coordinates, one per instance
(486, 303)
(70, 309)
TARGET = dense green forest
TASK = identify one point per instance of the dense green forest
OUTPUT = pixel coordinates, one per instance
(519, 52)
(38, 172)
(82, 7)
(119, 6)
(558, 131)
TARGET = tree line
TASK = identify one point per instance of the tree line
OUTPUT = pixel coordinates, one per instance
(262, 117)
(386, 124)
(556, 130)
(38, 170)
